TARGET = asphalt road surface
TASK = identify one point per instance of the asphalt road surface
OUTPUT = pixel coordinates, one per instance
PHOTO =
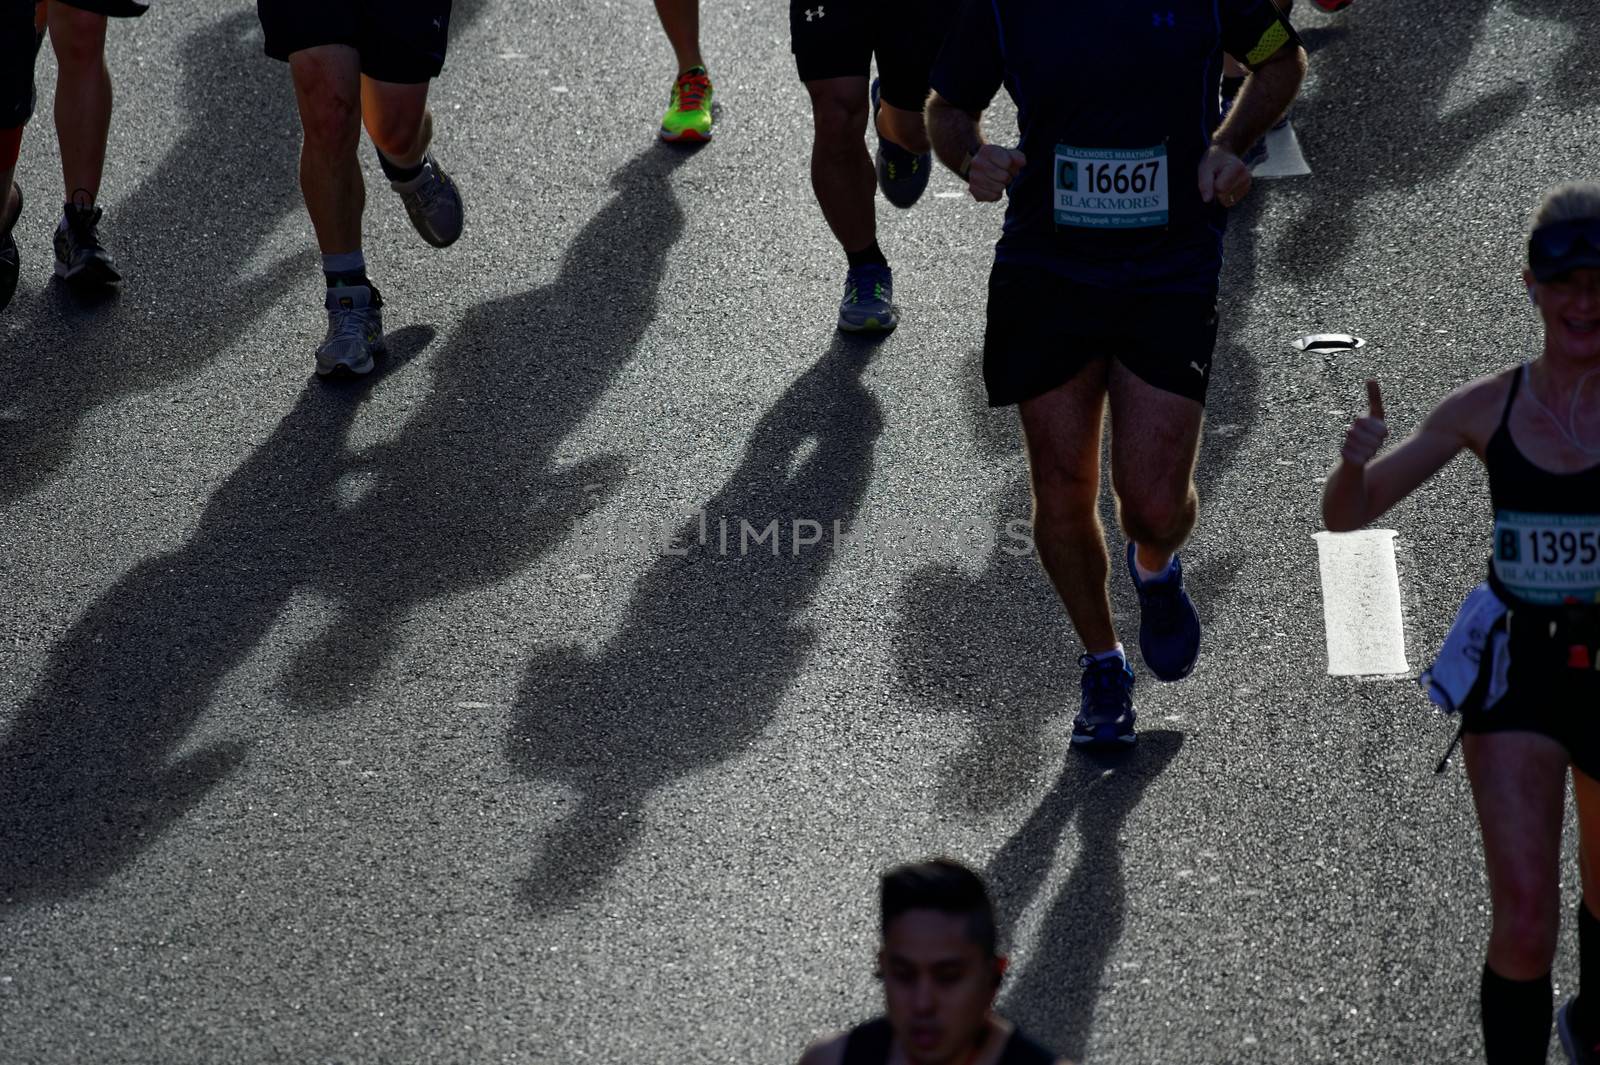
(354, 724)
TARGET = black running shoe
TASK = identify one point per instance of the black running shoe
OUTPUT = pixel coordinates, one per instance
(902, 175)
(80, 257)
(10, 261)
(1106, 716)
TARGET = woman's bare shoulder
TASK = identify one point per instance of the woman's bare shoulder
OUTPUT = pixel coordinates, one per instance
(1473, 410)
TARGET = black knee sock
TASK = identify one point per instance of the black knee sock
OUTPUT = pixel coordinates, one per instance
(871, 255)
(396, 173)
(1586, 1008)
(1516, 1018)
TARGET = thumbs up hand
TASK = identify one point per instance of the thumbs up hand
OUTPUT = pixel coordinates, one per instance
(1366, 436)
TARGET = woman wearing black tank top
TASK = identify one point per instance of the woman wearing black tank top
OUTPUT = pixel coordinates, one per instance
(1528, 639)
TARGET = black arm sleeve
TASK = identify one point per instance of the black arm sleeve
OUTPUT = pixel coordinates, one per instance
(1254, 30)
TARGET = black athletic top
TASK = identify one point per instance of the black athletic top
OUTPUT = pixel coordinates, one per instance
(869, 1044)
(1546, 525)
(1116, 104)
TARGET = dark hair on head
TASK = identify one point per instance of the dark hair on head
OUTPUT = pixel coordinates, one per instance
(944, 885)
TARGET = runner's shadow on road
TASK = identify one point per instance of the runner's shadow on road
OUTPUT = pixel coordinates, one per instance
(1234, 407)
(1054, 995)
(471, 489)
(1379, 150)
(1573, 74)
(181, 237)
(711, 642)
(466, 492)
(995, 647)
(90, 769)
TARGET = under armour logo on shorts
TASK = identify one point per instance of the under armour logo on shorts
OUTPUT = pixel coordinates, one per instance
(1171, 20)
(810, 13)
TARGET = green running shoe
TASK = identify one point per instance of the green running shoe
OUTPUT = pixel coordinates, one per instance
(688, 116)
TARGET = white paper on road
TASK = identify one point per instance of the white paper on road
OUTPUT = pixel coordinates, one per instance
(1284, 158)
(1361, 603)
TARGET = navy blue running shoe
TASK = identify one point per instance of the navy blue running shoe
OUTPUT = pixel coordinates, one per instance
(1579, 1051)
(1106, 717)
(1169, 628)
(902, 175)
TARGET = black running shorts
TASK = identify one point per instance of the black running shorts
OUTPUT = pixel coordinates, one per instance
(19, 46)
(838, 38)
(401, 41)
(1548, 691)
(1043, 328)
(113, 8)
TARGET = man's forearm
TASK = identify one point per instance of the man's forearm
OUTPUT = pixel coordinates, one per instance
(1264, 97)
(955, 134)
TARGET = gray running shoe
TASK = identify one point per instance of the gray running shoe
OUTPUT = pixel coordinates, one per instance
(355, 331)
(80, 257)
(868, 304)
(433, 202)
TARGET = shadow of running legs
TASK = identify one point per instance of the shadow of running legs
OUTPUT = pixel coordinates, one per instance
(92, 769)
(712, 640)
(1055, 994)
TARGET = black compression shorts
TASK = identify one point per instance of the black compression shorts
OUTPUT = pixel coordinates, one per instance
(838, 40)
(1043, 328)
(402, 41)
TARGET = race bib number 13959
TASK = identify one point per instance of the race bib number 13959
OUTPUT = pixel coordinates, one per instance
(1111, 188)
(1548, 558)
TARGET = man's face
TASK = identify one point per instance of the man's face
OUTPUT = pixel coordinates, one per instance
(938, 986)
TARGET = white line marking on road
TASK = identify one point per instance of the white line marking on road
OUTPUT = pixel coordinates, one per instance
(947, 195)
(1361, 603)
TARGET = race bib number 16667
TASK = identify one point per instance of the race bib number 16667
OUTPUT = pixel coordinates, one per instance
(1111, 188)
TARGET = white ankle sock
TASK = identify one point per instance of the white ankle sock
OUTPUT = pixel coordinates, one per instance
(1146, 576)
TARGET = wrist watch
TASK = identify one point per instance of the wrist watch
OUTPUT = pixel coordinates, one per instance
(966, 163)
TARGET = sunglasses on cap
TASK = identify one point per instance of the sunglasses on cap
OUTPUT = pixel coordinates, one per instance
(1557, 247)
